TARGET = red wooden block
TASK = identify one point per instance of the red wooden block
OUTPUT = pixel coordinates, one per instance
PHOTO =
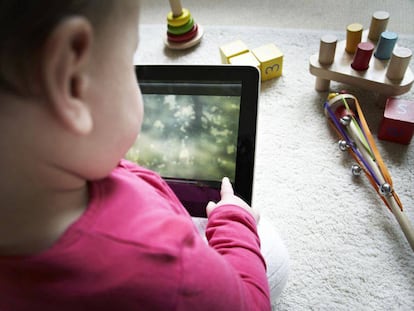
(398, 122)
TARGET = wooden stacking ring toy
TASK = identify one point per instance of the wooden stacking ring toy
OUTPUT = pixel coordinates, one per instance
(182, 31)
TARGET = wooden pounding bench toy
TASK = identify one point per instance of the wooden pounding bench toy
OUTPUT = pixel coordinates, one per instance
(354, 62)
(183, 32)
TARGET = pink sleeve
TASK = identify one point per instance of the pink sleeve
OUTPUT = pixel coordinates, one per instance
(228, 275)
(231, 274)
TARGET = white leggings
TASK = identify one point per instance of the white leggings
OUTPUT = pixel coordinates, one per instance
(273, 250)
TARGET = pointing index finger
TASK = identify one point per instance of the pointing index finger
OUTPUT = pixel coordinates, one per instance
(226, 188)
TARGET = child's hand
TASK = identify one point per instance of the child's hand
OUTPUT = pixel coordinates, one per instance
(228, 197)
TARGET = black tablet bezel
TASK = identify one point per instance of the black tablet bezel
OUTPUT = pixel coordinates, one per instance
(249, 78)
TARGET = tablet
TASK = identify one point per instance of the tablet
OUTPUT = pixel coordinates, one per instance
(199, 126)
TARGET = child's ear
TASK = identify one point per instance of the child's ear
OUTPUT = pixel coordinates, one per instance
(63, 73)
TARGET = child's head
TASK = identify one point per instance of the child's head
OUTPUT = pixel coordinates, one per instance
(68, 93)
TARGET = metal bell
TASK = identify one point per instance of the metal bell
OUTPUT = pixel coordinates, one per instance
(345, 120)
(356, 170)
(385, 189)
(343, 145)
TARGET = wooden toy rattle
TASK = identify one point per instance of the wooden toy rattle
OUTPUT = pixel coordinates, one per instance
(345, 116)
(183, 32)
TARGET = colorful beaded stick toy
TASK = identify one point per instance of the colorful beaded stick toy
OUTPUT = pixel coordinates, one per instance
(345, 115)
(183, 32)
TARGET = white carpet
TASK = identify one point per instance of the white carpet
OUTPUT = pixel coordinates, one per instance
(347, 251)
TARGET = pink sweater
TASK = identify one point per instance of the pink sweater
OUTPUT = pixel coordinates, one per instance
(136, 248)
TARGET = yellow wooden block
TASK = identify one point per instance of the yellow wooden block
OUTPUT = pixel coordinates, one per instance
(232, 49)
(271, 61)
(245, 59)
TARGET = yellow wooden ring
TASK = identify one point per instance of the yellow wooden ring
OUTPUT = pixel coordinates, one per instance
(179, 20)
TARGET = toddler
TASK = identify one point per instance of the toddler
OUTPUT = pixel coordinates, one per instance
(80, 228)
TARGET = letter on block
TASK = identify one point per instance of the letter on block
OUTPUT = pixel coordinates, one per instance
(232, 49)
(398, 122)
(271, 61)
(245, 59)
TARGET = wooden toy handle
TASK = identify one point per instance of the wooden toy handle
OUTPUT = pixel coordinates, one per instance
(403, 221)
(176, 7)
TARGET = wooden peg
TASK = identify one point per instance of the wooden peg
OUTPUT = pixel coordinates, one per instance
(362, 56)
(378, 25)
(327, 49)
(353, 37)
(176, 7)
(326, 57)
(399, 62)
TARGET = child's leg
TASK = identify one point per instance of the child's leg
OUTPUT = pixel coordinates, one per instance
(277, 258)
(274, 251)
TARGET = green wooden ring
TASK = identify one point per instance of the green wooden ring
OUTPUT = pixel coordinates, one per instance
(182, 29)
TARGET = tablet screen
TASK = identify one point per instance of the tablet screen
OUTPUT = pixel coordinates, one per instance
(189, 130)
(199, 125)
